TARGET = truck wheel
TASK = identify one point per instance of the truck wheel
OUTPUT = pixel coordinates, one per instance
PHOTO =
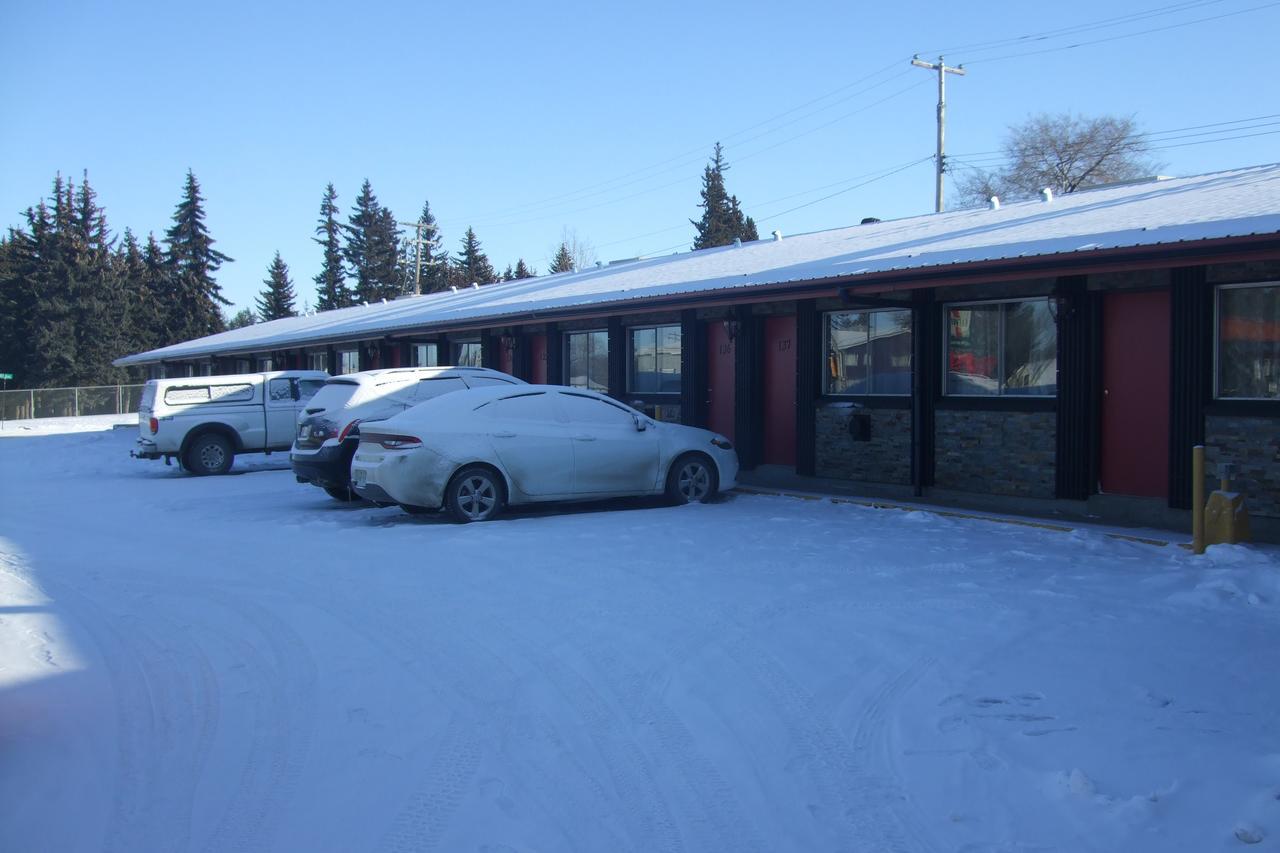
(209, 454)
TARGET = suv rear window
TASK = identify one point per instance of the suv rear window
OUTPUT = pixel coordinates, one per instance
(186, 394)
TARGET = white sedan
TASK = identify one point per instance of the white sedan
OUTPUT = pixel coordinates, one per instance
(473, 452)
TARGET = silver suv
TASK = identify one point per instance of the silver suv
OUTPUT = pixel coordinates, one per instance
(329, 427)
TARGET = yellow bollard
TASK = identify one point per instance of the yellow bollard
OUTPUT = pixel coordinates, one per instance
(1197, 499)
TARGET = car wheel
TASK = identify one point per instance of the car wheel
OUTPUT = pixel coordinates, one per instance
(692, 479)
(475, 493)
(341, 493)
(209, 454)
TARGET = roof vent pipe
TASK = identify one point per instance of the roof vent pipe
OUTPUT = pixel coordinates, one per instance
(737, 242)
(454, 288)
(1047, 195)
(994, 202)
(475, 285)
(777, 235)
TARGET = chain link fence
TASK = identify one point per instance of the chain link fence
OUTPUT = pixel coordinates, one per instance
(69, 402)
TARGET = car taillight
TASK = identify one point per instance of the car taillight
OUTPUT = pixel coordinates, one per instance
(346, 430)
(155, 426)
(391, 442)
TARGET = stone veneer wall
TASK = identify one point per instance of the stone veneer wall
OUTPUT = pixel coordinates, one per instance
(886, 458)
(1253, 445)
(1002, 453)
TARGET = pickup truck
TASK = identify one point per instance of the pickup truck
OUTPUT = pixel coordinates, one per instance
(204, 421)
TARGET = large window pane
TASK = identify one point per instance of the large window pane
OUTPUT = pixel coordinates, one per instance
(468, 354)
(973, 349)
(587, 360)
(848, 357)
(655, 360)
(644, 360)
(1249, 342)
(1030, 349)
(891, 352)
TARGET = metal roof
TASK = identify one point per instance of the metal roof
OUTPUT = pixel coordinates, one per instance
(1161, 212)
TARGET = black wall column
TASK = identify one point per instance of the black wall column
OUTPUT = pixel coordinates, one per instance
(1190, 374)
(693, 369)
(748, 415)
(808, 359)
(555, 355)
(1077, 424)
(521, 357)
(489, 344)
(926, 359)
(617, 359)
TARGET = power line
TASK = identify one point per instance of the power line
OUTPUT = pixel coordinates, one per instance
(1123, 35)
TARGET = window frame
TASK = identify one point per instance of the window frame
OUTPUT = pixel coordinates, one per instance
(1000, 349)
(456, 348)
(826, 353)
(1217, 340)
(656, 328)
(322, 356)
(342, 354)
(565, 365)
(430, 347)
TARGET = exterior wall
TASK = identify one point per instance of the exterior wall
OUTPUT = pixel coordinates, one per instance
(886, 458)
(1002, 453)
(1253, 445)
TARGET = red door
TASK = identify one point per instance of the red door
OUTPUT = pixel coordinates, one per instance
(1135, 394)
(780, 390)
(538, 359)
(720, 379)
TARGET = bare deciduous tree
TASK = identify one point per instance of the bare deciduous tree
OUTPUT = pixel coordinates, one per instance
(580, 249)
(1064, 153)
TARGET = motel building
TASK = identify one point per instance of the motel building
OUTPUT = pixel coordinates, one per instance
(1059, 356)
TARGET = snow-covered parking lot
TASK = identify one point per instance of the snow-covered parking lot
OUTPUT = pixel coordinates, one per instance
(241, 663)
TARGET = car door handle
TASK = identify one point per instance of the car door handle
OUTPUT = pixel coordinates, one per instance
(584, 438)
(503, 434)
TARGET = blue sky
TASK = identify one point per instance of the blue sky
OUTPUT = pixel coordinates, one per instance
(522, 120)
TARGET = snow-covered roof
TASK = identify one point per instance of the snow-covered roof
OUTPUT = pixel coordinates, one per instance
(1237, 203)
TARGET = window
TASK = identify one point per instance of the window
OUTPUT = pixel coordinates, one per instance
(237, 393)
(589, 410)
(1002, 348)
(1248, 342)
(307, 388)
(348, 361)
(467, 354)
(868, 352)
(280, 389)
(587, 360)
(423, 355)
(265, 365)
(528, 407)
(318, 361)
(655, 360)
(206, 368)
(242, 365)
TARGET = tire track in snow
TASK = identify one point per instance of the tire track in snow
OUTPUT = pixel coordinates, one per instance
(284, 686)
(423, 820)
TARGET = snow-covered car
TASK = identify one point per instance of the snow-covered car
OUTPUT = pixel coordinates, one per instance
(328, 430)
(474, 452)
(204, 421)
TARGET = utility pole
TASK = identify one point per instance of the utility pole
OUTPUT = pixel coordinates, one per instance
(419, 243)
(943, 70)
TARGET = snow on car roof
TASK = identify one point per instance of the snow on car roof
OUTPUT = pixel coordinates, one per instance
(1236, 203)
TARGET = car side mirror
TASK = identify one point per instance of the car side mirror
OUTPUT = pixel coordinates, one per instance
(640, 424)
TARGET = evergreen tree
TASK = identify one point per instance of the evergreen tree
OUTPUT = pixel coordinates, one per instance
(563, 261)
(278, 299)
(98, 297)
(192, 261)
(331, 281)
(471, 264)
(243, 317)
(722, 219)
(508, 274)
(373, 249)
(160, 294)
(523, 270)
